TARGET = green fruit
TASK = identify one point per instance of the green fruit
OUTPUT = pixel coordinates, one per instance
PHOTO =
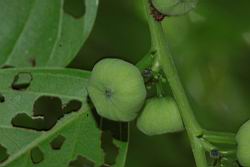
(117, 89)
(243, 140)
(174, 7)
(159, 116)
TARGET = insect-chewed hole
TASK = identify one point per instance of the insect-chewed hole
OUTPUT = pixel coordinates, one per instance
(119, 130)
(56, 143)
(2, 98)
(21, 81)
(22, 120)
(46, 111)
(81, 161)
(50, 108)
(36, 155)
(75, 8)
(110, 149)
(3, 154)
(72, 106)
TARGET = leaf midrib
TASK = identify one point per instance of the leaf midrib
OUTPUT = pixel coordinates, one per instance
(44, 93)
(58, 36)
(20, 34)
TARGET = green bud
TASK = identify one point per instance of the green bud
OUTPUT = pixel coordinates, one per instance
(243, 140)
(117, 89)
(174, 7)
(159, 116)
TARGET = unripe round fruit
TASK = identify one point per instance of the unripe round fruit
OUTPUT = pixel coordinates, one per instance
(243, 140)
(159, 116)
(117, 89)
(174, 7)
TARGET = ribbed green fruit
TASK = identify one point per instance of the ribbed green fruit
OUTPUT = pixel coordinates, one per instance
(243, 140)
(117, 89)
(174, 7)
(159, 116)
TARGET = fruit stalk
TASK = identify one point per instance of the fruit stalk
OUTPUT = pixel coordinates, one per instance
(193, 128)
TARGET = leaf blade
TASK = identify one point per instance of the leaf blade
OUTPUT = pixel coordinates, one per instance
(40, 33)
(20, 141)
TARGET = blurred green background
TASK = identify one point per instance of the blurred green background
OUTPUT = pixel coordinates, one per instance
(211, 47)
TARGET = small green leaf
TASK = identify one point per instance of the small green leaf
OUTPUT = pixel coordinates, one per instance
(74, 137)
(41, 33)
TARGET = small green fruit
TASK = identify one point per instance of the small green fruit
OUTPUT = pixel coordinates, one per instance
(174, 7)
(117, 89)
(243, 140)
(159, 116)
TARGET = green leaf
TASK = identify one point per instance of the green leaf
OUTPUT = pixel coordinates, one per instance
(78, 136)
(43, 32)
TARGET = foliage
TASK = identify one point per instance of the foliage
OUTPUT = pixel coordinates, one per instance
(47, 118)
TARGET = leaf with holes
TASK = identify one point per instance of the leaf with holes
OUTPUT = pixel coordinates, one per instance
(45, 120)
(44, 32)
